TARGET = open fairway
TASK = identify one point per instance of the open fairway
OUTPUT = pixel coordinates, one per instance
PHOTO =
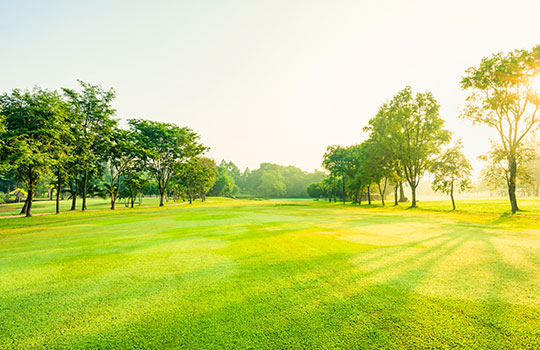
(272, 274)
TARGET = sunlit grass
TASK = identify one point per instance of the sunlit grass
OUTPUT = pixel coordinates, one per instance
(273, 274)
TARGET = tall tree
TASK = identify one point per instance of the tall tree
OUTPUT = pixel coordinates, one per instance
(135, 183)
(336, 160)
(451, 172)
(503, 95)
(196, 177)
(92, 125)
(165, 147)
(411, 129)
(497, 173)
(122, 155)
(35, 122)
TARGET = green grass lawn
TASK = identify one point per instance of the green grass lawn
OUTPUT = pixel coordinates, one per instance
(273, 274)
(45, 206)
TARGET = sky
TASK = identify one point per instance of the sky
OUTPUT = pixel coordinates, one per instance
(264, 81)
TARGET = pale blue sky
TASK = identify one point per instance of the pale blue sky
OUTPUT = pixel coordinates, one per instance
(263, 81)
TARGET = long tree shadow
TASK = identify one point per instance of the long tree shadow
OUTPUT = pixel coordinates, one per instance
(272, 291)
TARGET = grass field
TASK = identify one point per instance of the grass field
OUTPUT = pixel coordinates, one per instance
(273, 274)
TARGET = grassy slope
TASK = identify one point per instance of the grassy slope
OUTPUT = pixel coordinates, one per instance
(272, 274)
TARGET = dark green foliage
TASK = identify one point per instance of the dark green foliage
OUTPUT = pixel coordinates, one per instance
(165, 146)
(33, 132)
(92, 127)
(277, 181)
(316, 190)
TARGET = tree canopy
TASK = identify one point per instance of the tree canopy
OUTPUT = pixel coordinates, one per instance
(502, 95)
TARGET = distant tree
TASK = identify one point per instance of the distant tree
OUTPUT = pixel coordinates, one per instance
(60, 168)
(228, 177)
(92, 125)
(336, 160)
(272, 185)
(358, 172)
(206, 175)
(135, 183)
(195, 177)
(224, 184)
(315, 190)
(451, 173)
(122, 155)
(497, 173)
(503, 95)
(165, 146)
(379, 166)
(34, 124)
(290, 181)
(410, 129)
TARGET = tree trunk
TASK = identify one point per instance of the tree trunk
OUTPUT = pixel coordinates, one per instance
(396, 189)
(512, 185)
(203, 195)
(413, 193)
(73, 201)
(402, 198)
(452, 196)
(114, 195)
(381, 194)
(85, 185)
(25, 206)
(29, 201)
(58, 192)
(161, 197)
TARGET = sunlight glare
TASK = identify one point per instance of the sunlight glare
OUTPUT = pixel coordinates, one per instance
(535, 84)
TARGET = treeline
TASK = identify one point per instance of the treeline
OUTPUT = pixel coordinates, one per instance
(407, 138)
(268, 181)
(72, 139)
(68, 144)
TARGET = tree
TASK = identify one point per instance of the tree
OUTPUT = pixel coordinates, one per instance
(451, 172)
(410, 129)
(336, 161)
(165, 146)
(379, 165)
(497, 173)
(122, 155)
(502, 95)
(196, 177)
(92, 125)
(315, 190)
(358, 172)
(224, 184)
(205, 175)
(271, 184)
(34, 125)
(135, 183)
